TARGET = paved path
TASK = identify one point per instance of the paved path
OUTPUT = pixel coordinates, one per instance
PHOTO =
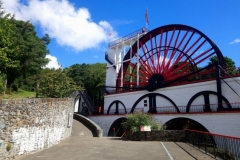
(80, 146)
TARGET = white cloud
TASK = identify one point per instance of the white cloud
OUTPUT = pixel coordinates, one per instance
(70, 26)
(235, 41)
(53, 63)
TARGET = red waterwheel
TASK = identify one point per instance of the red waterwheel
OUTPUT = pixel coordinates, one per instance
(167, 56)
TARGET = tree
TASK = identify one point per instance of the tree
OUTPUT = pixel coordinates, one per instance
(229, 64)
(2, 88)
(95, 78)
(31, 51)
(55, 84)
(7, 51)
(77, 72)
(22, 52)
(88, 76)
(2, 12)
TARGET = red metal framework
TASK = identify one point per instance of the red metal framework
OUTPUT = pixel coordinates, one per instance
(167, 56)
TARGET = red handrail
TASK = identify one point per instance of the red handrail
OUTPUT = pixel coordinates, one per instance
(213, 134)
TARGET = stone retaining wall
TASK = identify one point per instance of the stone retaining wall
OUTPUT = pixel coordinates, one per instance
(30, 125)
(162, 135)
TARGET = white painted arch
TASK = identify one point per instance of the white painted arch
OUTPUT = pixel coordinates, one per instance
(220, 123)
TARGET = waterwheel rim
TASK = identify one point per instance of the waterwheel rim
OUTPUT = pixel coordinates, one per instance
(166, 54)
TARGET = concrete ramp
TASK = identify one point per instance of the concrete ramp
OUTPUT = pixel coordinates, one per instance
(85, 126)
(79, 129)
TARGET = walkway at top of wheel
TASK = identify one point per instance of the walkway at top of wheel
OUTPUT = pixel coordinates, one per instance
(128, 37)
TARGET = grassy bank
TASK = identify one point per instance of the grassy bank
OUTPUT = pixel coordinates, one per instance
(18, 94)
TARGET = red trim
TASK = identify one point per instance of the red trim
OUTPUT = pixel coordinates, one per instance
(214, 134)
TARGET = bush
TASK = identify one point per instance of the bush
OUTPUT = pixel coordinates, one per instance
(138, 119)
(155, 126)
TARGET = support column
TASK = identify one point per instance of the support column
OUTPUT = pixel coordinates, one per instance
(122, 57)
(138, 61)
(219, 87)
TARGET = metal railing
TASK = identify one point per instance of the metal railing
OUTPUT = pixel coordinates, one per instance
(129, 36)
(227, 107)
(193, 109)
(119, 112)
(87, 100)
(222, 146)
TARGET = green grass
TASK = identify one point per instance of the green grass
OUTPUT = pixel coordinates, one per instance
(18, 94)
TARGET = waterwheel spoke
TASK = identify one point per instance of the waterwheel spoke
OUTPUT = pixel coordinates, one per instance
(135, 76)
(173, 51)
(147, 68)
(145, 53)
(179, 56)
(149, 58)
(144, 72)
(167, 50)
(152, 54)
(170, 55)
(210, 55)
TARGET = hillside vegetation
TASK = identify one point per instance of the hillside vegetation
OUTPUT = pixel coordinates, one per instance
(18, 94)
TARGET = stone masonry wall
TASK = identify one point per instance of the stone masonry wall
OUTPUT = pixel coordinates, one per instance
(162, 135)
(29, 125)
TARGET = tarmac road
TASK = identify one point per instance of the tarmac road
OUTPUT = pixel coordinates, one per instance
(82, 146)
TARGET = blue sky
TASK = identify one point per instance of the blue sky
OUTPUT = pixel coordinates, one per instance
(79, 30)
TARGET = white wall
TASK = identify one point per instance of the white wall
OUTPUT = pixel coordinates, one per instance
(179, 94)
(105, 121)
(220, 123)
(76, 104)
